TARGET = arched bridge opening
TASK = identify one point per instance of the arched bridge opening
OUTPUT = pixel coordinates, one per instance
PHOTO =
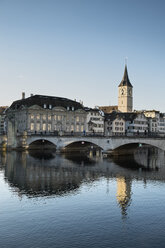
(81, 146)
(134, 147)
(42, 144)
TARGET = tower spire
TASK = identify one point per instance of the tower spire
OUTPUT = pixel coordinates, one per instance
(126, 60)
(125, 81)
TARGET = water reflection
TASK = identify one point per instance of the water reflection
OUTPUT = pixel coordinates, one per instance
(123, 194)
(49, 174)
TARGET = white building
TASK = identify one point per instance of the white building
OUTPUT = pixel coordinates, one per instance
(40, 114)
(153, 120)
(114, 124)
(137, 123)
(125, 124)
(161, 123)
(95, 121)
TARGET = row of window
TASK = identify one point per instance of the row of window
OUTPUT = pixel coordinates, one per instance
(55, 117)
(136, 128)
(119, 129)
(95, 114)
(119, 123)
(140, 122)
(49, 127)
(96, 119)
(49, 106)
(98, 125)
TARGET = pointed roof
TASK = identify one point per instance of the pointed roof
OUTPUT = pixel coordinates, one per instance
(125, 81)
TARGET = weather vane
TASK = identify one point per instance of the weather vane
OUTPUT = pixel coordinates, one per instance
(126, 60)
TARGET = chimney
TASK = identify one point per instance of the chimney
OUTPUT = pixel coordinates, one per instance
(31, 94)
(23, 95)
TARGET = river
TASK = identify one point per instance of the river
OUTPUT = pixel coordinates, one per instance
(63, 201)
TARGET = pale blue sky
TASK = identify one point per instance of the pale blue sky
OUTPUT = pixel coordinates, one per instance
(77, 49)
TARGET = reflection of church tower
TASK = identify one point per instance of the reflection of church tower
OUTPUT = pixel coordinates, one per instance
(123, 194)
(125, 96)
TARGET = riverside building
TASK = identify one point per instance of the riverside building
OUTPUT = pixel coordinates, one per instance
(95, 121)
(39, 114)
(2, 119)
(125, 124)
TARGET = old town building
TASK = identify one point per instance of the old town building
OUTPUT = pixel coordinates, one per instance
(161, 123)
(45, 114)
(125, 124)
(95, 121)
(114, 124)
(137, 123)
(2, 119)
(153, 120)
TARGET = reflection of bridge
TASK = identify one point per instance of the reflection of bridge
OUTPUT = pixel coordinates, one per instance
(105, 143)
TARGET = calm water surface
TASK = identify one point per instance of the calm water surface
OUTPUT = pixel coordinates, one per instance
(60, 201)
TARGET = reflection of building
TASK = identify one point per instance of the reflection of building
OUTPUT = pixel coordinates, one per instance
(41, 177)
(123, 193)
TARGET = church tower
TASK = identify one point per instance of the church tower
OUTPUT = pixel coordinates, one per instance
(125, 94)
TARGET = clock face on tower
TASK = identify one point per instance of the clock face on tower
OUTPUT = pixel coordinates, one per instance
(122, 91)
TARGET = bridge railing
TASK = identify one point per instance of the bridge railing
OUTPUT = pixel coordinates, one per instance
(60, 133)
(89, 134)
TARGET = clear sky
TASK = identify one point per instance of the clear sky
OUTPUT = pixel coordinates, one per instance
(77, 49)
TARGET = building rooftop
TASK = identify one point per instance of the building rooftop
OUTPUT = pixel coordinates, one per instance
(125, 116)
(108, 109)
(2, 109)
(41, 100)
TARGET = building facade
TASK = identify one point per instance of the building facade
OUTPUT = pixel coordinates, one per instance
(2, 120)
(95, 121)
(161, 123)
(125, 124)
(114, 124)
(137, 123)
(40, 114)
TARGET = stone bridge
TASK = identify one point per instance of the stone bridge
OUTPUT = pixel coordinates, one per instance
(105, 143)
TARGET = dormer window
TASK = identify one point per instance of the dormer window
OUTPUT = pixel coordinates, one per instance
(72, 108)
(50, 106)
(44, 106)
(68, 108)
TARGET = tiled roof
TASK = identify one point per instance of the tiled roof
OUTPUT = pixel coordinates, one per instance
(2, 109)
(40, 100)
(125, 116)
(91, 109)
(108, 109)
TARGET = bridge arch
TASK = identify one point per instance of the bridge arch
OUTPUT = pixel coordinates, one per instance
(128, 143)
(79, 144)
(41, 144)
